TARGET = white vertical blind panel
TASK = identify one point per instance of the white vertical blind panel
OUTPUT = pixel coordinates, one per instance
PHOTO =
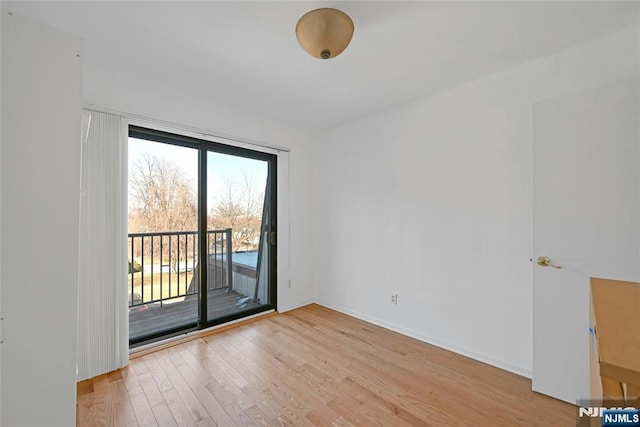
(103, 324)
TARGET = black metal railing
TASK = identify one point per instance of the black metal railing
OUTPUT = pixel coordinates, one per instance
(165, 265)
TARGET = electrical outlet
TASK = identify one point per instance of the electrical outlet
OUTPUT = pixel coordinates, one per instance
(394, 299)
(289, 283)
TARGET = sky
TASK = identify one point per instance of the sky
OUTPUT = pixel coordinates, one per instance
(221, 166)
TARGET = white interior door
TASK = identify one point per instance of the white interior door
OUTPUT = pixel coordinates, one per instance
(586, 219)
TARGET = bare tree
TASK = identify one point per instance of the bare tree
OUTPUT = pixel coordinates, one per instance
(162, 199)
(239, 207)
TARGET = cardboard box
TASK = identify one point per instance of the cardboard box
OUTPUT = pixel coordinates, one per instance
(616, 323)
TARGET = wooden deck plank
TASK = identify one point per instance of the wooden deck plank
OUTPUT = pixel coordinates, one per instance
(154, 318)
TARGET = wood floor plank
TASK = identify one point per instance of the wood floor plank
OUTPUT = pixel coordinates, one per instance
(290, 406)
(192, 363)
(163, 415)
(84, 387)
(180, 412)
(238, 415)
(207, 422)
(111, 401)
(354, 414)
(261, 400)
(138, 366)
(157, 373)
(255, 415)
(237, 360)
(85, 411)
(287, 385)
(130, 377)
(151, 391)
(269, 398)
(222, 394)
(176, 358)
(141, 408)
(125, 416)
(191, 402)
(228, 368)
(308, 367)
(342, 422)
(211, 405)
(281, 421)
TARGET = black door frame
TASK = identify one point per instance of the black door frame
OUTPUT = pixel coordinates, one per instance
(204, 147)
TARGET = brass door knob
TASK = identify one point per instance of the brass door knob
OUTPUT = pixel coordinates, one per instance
(544, 261)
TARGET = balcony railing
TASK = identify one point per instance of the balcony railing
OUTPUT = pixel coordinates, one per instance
(165, 265)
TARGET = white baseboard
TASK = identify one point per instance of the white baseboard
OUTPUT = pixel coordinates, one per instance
(421, 337)
(293, 307)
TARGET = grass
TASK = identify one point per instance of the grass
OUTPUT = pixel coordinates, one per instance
(179, 284)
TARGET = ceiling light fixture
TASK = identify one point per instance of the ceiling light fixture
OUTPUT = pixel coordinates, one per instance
(324, 33)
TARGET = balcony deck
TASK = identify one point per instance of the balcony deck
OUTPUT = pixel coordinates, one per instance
(155, 318)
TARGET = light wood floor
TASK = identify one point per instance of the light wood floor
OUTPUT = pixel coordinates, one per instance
(313, 366)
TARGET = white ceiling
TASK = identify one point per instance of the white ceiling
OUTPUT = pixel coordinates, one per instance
(244, 55)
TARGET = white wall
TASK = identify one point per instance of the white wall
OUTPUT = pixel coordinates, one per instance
(142, 99)
(40, 177)
(432, 200)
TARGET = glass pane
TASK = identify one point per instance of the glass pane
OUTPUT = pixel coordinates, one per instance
(163, 239)
(236, 188)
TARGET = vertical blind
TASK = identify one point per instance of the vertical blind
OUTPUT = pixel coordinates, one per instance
(103, 329)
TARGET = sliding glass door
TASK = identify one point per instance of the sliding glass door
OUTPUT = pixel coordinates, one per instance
(163, 238)
(202, 233)
(237, 184)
